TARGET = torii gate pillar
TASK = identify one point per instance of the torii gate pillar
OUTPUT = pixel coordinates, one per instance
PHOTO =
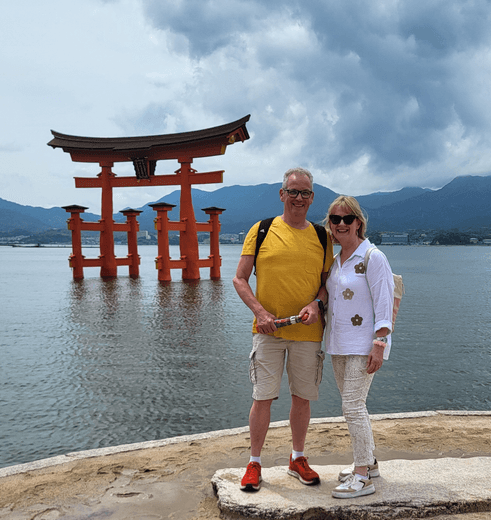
(163, 261)
(109, 267)
(132, 234)
(188, 238)
(76, 259)
(214, 241)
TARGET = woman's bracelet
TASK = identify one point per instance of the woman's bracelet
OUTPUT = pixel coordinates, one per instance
(379, 343)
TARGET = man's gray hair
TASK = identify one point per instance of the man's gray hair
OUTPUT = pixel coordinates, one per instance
(301, 171)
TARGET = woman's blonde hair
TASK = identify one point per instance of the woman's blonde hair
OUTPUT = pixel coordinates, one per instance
(352, 205)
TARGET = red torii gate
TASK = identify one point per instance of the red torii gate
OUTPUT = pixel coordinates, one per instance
(144, 152)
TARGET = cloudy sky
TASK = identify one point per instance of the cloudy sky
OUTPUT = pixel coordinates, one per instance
(370, 96)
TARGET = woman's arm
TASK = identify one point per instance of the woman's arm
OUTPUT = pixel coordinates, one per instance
(381, 283)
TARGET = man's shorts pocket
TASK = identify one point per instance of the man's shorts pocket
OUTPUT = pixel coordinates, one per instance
(253, 368)
(321, 355)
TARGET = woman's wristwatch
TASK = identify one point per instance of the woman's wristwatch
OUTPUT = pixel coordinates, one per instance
(320, 303)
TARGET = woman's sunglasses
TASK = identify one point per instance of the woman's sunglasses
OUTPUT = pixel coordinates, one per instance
(347, 219)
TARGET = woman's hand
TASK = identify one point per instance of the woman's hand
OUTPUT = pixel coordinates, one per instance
(376, 356)
(375, 359)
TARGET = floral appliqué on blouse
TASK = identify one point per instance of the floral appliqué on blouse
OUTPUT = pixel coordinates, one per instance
(348, 294)
(356, 320)
(360, 268)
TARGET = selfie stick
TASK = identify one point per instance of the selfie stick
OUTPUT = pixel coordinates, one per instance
(283, 322)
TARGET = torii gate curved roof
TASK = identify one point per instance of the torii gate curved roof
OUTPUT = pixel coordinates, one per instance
(199, 143)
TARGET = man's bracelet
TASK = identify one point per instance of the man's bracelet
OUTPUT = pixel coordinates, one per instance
(320, 303)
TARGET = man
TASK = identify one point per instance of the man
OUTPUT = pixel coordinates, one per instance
(291, 269)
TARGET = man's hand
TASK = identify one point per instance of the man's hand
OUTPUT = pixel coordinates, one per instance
(265, 322)
(310, 313)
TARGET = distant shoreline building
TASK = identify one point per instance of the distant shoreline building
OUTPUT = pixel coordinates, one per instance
(395, 239)
(143, 234)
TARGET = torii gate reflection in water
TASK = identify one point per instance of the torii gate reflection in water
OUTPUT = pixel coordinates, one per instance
(144, 152)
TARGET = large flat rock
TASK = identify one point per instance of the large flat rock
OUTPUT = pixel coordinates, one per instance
(405, 489)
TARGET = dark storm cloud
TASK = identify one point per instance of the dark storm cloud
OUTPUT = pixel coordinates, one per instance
(399, 92)
(397, 82)
(206, 24)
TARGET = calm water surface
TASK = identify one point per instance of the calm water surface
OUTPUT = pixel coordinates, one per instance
(99, 363)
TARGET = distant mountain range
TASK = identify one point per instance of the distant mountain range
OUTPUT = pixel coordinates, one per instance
(463, 204)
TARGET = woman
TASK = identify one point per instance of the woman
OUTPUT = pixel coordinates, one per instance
(359, 321)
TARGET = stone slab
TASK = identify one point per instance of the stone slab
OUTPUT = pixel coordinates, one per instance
(405, 489)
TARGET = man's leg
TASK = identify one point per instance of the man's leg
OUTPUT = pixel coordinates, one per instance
(304, 369)
(259, 419)
(299, 421)
(266, 369)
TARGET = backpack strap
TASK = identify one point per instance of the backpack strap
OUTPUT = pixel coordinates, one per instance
(322, 236)
(262, 231)
(365, 263)
(367, 256)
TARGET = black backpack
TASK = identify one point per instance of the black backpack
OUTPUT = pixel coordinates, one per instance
(264, 226)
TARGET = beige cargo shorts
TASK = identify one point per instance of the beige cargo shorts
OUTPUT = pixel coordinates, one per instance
(304, 365)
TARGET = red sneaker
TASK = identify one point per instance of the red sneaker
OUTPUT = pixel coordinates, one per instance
(252, 478)
(299, 468)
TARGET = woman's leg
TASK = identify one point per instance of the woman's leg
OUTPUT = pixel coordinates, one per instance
(354, 383)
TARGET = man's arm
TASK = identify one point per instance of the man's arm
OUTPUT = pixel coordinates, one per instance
(265, 320)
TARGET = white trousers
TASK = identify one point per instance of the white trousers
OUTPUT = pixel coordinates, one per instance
(354, 383)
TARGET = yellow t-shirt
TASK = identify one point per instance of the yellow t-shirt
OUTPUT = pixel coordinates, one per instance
(289, 267)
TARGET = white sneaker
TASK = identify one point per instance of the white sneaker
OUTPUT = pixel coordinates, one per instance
(372, 470)
(354, 486)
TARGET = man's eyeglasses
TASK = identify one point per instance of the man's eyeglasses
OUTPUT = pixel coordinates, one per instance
(294, 193)
(347, 219)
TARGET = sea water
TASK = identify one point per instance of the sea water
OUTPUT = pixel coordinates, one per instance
(97, 363)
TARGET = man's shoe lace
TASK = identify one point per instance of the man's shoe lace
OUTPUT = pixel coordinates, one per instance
(300, 468)
(253, 471)
(304, 465)
(252, 477)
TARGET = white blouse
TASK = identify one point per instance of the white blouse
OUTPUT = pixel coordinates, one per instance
(359, 304)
